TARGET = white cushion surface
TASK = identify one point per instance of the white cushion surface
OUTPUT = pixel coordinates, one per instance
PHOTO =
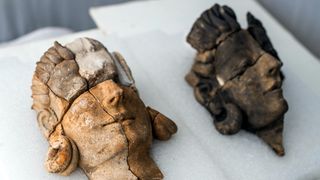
(159, 60)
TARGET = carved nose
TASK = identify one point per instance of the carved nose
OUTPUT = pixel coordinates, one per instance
(115, 97)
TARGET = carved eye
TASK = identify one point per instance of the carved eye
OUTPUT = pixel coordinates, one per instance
(272, 71)
(111, 101)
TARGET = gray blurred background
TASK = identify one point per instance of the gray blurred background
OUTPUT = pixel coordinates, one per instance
(301, 17)
(18, 17)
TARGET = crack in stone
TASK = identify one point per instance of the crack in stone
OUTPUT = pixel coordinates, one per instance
(239, 75)
(122, 131)
(69, 102)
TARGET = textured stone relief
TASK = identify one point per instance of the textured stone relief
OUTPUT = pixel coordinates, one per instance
(236, 75)
(89, 110)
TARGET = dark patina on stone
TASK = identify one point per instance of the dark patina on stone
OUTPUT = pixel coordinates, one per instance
(236, 75)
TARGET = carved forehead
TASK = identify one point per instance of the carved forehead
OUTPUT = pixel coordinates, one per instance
(106, 88)
(235, 53)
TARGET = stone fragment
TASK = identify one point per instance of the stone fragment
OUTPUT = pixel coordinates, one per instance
(58, 105)
(94, 60)
(63, 52)
(53, 55)
(236, 75)
(66, 82)
(204, 70)
(101, 141)
(192, 79)
(44, 69)
(92, 116)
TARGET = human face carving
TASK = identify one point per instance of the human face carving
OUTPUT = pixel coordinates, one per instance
(258, 92)
(236, 75)
(104, 123)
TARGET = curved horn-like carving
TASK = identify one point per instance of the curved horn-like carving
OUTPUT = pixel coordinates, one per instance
(212, 27)
(48, 115)
(259, 33)
(229, 120)
(63, 155)
(124, 68)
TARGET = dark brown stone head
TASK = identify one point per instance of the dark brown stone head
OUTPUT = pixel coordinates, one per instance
(236, 75)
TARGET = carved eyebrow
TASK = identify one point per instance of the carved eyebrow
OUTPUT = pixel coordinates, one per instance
(246, 64)
(243, 66)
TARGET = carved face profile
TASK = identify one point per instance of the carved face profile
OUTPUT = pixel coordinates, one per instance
(236, 75)
(90, 112)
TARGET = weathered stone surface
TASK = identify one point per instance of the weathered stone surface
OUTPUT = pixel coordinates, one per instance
(58, 105)
(205, 57)
(101, 141)
(103, 127)
(163, 127)
(192, 79)
(63, 155)
(66, 82)
(258, 92)
(44, 69)
(63, 52)
(53, 55)
(94, 60)
(212, 27)
(236, 75)
(124, 72)
(204, 70)
(235, 54)
(46, 117)
(124, 105)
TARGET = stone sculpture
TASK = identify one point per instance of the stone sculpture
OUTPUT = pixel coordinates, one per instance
(89, 110)
(236, 75)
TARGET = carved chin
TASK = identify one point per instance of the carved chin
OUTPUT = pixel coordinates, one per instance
(273, 111)
(277, 104)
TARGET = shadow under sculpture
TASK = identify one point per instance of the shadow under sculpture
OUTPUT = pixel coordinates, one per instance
(92, 116)
(236, 75)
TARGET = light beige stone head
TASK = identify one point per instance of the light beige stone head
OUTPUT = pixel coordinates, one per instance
(90, 112)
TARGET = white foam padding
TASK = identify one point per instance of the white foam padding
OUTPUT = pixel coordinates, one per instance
(159, 61)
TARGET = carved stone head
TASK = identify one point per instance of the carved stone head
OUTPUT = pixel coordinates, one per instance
(236, 75)
(91, 113)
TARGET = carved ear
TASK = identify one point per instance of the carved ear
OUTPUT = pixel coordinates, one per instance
(212, 27)
(256, 29)
(63, 155)
(227, 118)
(163, 127)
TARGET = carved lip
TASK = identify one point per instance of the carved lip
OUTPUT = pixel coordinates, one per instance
(274, 89)
(275, 92)
(119, 119)
(127, 121)
(122, 118)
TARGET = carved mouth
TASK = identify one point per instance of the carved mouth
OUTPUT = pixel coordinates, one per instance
(108, 122)
(274, 89)
(277, 92)
(126, 121)
(123, 120)
(123, 117)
